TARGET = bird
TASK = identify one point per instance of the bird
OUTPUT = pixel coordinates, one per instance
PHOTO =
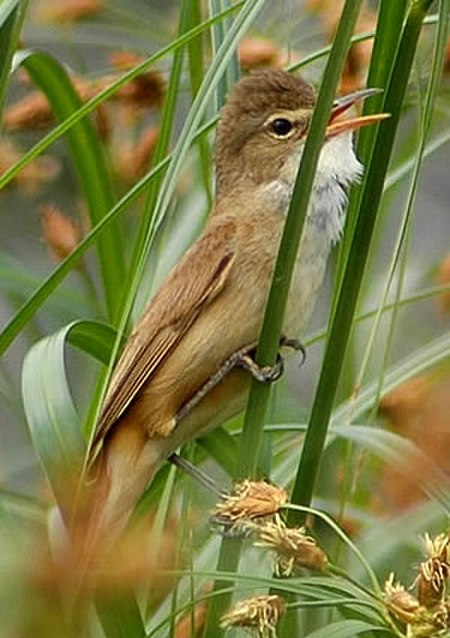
(187, 365)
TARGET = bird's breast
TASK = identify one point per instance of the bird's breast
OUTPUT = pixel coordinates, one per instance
(307, 277)
(323, 228)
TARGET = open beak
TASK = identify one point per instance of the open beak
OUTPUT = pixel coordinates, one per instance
(342, 104)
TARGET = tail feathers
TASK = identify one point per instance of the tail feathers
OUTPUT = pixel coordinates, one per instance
(121, 472)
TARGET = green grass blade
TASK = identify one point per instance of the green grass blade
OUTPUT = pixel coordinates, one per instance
(56, 435)
(390, 21)
(7, 8)
(268, 346)
(342, 321)
(162, 147)
(90, 164)
(11, 17)
(271, 330)
(120, 617)
(51, 416)
(94, 338)
(196, 53)
(218, 33)
(345, 629)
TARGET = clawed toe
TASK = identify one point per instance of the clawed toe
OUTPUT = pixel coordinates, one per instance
(296, 345)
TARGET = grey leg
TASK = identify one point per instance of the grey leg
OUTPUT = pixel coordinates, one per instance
(202, 478)
(240, 359)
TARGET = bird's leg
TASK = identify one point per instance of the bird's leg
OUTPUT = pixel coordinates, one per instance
(242, 358)
(202, 478)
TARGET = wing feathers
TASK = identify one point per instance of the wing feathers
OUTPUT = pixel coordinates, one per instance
(191, 287)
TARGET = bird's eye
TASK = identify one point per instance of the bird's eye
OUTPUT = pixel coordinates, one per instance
(281, 127)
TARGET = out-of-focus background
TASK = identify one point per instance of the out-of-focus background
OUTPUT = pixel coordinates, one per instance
(42, 213)
(387, 382)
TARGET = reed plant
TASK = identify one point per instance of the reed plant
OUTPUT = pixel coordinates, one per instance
(347, 534)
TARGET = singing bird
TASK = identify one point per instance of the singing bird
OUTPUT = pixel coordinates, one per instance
(186, 367)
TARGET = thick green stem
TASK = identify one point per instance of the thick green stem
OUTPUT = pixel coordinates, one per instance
(342, 322)
(268, 344)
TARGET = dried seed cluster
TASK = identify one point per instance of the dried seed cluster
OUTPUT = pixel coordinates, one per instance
(293, 546)
(253, 507)
(260, 613)
(250, 500)
(427, 612)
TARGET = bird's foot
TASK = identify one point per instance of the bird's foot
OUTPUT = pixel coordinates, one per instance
(242, 358)
(264, 374)
(296, 345)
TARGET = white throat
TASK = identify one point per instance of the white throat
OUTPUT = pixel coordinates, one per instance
(337, 168)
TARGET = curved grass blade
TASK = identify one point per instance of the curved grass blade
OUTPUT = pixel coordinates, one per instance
(51, 415)
(93, 337)
(90, 164)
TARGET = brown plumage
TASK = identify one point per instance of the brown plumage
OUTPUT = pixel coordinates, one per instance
(212, 304)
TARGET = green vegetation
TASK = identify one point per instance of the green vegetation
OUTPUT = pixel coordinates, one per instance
(104, 184)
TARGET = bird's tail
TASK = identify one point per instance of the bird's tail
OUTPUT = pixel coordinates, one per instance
(122, 470)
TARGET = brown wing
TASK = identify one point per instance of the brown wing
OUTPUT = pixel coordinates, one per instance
(194, 283)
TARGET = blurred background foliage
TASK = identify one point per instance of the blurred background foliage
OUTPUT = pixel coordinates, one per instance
(395, 388)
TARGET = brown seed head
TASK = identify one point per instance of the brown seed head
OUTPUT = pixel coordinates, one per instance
(261, 613)
(294, 548)
(31, 112)
(41, 171)
(133, 160)
(250, 500)
(258, 52)
(145, 91)
(434, 572)
(60, 232)
(69, 10)
(123, 60)
(400, 602)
